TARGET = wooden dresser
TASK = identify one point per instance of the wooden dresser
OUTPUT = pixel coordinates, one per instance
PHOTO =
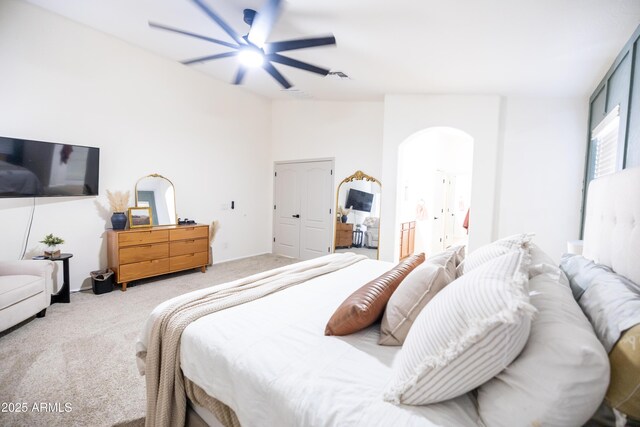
(407, 238)
(138, 253)
(344, 235)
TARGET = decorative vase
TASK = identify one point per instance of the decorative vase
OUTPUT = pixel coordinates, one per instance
(118, 220)
(344, 219)
(53, 251)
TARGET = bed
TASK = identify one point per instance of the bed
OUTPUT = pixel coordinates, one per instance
(264, 359)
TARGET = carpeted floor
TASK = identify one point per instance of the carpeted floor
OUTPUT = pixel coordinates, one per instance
(79, 361)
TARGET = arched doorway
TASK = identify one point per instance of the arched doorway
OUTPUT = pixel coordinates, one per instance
(434, 189)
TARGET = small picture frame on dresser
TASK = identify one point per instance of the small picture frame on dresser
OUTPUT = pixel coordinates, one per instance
(139, 217)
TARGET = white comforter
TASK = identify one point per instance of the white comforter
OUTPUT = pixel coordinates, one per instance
(270, 361)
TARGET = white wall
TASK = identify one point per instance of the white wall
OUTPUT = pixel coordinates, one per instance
(478, 116)
(528, 162)
(542, 170)
(64, 82)
(351, 132)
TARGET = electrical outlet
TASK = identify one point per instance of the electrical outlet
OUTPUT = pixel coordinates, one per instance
(225, 245)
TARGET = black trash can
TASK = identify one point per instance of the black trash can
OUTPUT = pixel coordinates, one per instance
(102, 281)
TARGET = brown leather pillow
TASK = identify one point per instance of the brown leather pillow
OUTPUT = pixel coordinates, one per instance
(363, 307)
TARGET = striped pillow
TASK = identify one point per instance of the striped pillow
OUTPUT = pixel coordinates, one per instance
(493, 250)
(467, 334)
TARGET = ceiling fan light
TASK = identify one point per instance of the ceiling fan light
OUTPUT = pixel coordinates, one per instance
(251, 58)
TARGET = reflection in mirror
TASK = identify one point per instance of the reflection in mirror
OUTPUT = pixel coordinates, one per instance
(358, 215)
(157, 192)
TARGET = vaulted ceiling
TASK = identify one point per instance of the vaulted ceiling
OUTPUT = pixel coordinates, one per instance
(506, 47)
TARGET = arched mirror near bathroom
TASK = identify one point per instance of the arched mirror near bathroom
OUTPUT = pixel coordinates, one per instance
(157, 192)
(357, 227)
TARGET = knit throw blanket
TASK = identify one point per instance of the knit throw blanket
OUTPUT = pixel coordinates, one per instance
(158, 348)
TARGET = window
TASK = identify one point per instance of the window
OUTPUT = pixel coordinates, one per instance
(604, 140)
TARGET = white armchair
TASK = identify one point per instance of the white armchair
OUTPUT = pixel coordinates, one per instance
(25, 290)
(371, 235)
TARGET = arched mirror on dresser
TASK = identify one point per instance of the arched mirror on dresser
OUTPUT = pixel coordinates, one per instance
(157, 192)
(357, 227)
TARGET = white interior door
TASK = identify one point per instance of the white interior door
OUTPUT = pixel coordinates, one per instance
(438, 212)
(303, 194)
(286, 206)
(315, 214)
(450, 215)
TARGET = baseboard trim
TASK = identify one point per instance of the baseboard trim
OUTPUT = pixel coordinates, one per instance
(241, 257)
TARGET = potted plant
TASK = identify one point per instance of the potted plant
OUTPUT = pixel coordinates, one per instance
(119, 202)
(52, 242)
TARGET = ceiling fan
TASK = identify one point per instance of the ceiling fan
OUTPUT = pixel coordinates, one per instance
(252, 49)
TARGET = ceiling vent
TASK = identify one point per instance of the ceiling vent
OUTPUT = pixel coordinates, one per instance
(297, 93)
(339, 74)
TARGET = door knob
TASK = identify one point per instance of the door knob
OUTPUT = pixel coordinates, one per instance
(296, 216)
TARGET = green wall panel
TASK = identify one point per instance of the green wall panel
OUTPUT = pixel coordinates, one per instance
(598, 109)
(633, 131)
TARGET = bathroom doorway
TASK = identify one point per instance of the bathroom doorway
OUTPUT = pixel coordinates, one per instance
(434, 187)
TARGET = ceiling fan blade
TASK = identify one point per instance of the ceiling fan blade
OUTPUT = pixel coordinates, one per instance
(240, 75)
(297, 64)
(218, 20)
(209, 58)
(187, 33)
(299, 44)
(276, 74)
(264, 22)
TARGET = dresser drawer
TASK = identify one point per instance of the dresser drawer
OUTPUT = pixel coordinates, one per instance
(345, 235)
(344, 226)
(182, 262)
(142, 237)
(188, 233)
(184, 247)
(344, 238)
(138, 270)
(131, 254)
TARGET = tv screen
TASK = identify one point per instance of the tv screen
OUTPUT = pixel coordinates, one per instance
(42, 169)
(359, 200)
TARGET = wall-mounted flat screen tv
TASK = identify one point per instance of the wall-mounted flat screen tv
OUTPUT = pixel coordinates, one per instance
(359, 200)
(43, 169)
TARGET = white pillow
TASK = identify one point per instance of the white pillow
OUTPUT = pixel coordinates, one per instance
(541, 263)
(409, 299)
(562, 374)
(468, 333)
(415, 292)
(493, 250)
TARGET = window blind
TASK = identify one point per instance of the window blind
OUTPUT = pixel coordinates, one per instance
(605, 138)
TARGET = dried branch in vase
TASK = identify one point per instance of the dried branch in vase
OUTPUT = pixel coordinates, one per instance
(118, 200)
(213, 230)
